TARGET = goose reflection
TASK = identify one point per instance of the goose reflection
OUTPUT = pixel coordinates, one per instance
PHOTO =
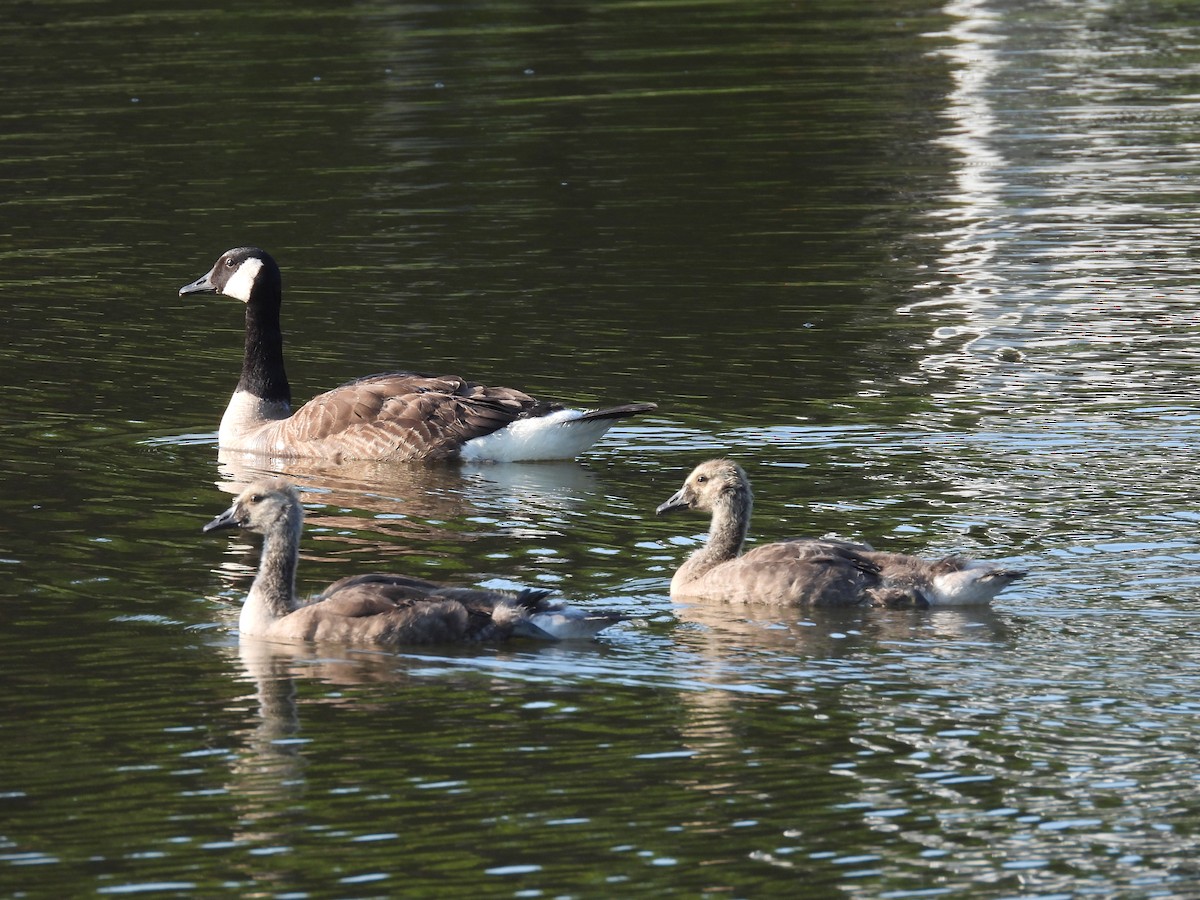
(432, 492)
(780, 700)
(267, 771)
(412, 508)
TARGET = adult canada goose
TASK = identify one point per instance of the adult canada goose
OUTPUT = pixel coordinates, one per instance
(805, 572)
(378, 609)
(393, 416)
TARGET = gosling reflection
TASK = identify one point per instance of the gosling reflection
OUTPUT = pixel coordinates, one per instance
(760, 653)
(268, 772)
(272, 757)
(724, 631)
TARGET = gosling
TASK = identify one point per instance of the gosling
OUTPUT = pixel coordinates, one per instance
(811, 572)
(386, 610)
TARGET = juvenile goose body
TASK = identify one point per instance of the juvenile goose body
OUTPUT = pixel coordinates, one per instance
(808, 572)
(392, 416)
(380, 609)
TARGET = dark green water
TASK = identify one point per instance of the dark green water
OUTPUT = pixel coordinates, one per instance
(927, 272)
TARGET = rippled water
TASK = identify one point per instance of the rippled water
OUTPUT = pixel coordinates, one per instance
(926, 272)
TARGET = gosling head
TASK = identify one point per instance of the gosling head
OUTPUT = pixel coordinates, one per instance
(711, 484)
(242, 273)
(263, 507)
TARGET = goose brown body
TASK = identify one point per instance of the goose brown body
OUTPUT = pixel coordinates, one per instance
(382, 609)
(399, 416)
(811, 572)
(394, 416)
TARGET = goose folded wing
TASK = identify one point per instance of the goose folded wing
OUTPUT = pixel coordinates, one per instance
(807, 572)
(394, 587)
(360, 602)
(407, 415)
(815, 551)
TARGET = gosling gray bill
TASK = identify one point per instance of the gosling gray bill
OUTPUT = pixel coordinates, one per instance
(388, 610)
(395, 416)
(811, 572)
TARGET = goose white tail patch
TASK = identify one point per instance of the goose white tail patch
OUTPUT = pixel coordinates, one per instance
(975, 584)
(568, 623)
(241, 283)
(560, 435)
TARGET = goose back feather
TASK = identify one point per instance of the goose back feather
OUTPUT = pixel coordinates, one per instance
(811, 572)
(395, 416)
(382, 609)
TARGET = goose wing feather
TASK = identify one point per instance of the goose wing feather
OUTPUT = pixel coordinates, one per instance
(399, 588)
(402, 416)
(389, 611)
(357, 614)
(801, 571)
(395, 587)
(409, 610)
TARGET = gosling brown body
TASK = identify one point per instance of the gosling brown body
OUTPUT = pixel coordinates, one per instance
(382, 609)
(810, 572)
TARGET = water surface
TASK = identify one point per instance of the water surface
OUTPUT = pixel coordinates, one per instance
(925, 271)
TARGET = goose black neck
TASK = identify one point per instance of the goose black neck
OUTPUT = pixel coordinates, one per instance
(263, 373)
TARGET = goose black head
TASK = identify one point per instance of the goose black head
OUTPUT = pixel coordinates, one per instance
(244, 273)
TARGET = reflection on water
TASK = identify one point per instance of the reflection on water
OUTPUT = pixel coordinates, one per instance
(417, 500)
(271, 762)
(1066, 268)
(431, 491)
(969, 289)
(725, 631)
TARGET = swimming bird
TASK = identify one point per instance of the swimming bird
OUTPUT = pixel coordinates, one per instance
(379, 609)
(394, 416)
(811, 572)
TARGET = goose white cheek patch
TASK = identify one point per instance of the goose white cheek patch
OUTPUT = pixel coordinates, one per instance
(242, 283)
